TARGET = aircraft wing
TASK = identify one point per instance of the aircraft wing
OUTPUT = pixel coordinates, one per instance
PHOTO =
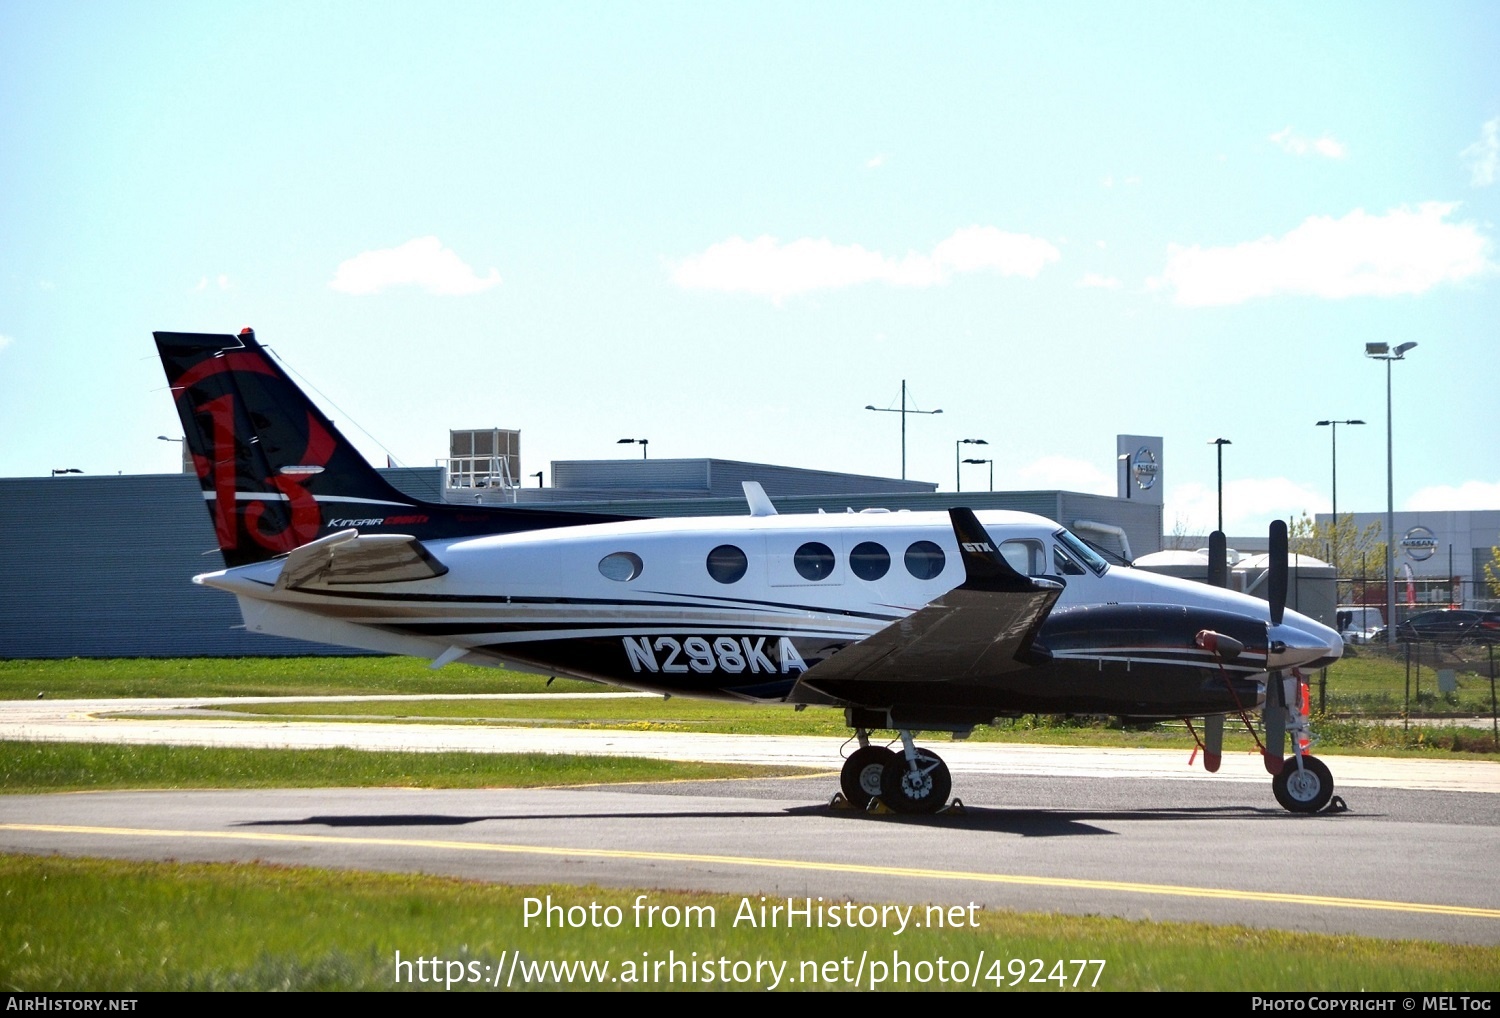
(985, 626)
(349, 557)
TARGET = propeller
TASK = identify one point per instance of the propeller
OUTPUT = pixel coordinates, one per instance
(1276, 586)
(1218, 559)
(1276, 713)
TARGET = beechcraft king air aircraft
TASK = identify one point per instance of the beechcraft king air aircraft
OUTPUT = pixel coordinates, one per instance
(908, 621)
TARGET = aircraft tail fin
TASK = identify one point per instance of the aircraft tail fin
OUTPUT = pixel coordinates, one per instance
(277, 474)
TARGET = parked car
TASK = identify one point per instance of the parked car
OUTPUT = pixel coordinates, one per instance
(1451, 625)
(1359, 624)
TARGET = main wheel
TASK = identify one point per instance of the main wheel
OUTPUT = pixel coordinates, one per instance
(1303, 791)
(860, 778)
(925, 791)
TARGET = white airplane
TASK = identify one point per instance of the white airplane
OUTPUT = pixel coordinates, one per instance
(908, 621)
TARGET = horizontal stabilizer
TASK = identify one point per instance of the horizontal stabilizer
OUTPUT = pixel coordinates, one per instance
(347, 557)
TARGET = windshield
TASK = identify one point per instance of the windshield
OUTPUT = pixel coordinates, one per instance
(1081, 551)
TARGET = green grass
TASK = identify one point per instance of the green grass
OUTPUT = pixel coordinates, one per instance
(75, 678)
(90, 925)
(61, 766)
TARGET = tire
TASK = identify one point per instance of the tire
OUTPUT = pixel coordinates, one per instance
(924, 792)
(1304, 791)
(860, 778)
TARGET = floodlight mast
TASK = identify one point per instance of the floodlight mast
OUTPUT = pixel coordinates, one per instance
(903, 412)
(1383, 352)
(1334, 543)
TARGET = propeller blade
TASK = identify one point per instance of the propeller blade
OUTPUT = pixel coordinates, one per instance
(1276, 588)
(1213, 742)
(1274, 716)
(1218, 559)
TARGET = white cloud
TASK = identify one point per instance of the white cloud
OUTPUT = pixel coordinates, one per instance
(423, 262)
(1444, 497)
(768, 268)
(1067, 474)
(1483, 157)
(1094, 279)
(1250, 504)
(1405, 251)
(5, 341)
(1326, 146)
(875, 161)
(221, 281)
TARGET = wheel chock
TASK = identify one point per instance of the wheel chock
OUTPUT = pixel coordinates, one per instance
(840, 802)
(879, 808)
(1336, 805)
(954, 808)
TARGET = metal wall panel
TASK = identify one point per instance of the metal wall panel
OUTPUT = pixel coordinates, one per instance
(103, 566)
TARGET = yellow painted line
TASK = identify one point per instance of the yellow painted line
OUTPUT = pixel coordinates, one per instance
(1126, 887)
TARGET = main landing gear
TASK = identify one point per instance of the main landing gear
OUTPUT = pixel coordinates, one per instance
(912, 781)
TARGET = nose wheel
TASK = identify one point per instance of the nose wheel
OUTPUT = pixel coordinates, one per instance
(1304, 789)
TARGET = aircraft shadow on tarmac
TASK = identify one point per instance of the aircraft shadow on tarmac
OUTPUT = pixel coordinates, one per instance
(1029, 823)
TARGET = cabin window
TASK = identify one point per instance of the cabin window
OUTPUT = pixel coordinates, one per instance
(727, 564)
(869, 561)
(814, 561)
(924, 560)
(621, 565)
(1026, 557)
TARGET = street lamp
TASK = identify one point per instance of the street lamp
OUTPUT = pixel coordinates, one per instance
(992, 470)
(187, 457)
(538, 476)
(1334, 544)
(903, 412)
(634, 441)
(958, 484)
(1221, 443)
(1384, 352)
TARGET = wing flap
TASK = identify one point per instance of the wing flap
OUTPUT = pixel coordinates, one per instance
(348, 557)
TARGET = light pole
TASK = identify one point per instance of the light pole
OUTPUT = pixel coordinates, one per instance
(1334, 544)
(187, 457)
(538, 476)
(1221, 443)
(958, 484)
(903, 412)
(992, 470)
(1384, 352)
(635, 441)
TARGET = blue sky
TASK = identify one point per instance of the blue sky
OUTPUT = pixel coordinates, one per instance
(730, 227)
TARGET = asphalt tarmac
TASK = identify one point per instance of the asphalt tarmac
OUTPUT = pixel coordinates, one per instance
(1137, 834)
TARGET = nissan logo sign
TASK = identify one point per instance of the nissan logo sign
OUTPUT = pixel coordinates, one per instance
(1419, 543)
(1144, 468)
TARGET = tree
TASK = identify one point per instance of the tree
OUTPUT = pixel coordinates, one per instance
(1492, 571)
(1339, 542)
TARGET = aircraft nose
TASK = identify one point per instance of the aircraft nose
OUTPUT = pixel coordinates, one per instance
(1302, 643)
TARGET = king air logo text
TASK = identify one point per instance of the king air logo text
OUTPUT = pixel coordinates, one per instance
(706, 654)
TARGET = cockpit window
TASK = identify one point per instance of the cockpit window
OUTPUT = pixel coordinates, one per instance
(1082, 552)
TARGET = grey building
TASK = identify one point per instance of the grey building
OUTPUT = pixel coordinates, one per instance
(103, 566)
